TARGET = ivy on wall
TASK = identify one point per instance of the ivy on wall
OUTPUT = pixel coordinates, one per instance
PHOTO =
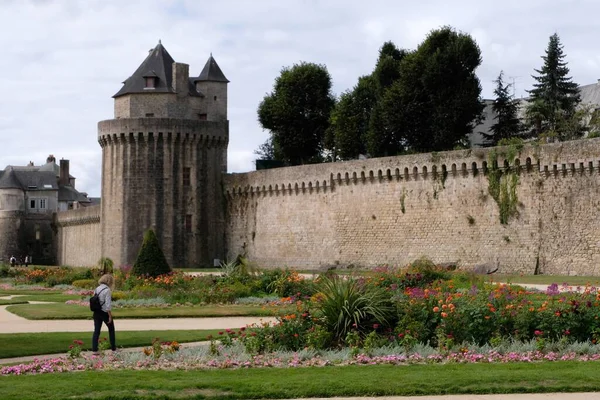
(502, 185)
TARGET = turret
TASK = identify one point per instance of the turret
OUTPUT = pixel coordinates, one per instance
(162, 161)
(213, 85)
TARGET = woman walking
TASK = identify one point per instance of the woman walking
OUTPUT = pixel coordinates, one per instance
(104, 292)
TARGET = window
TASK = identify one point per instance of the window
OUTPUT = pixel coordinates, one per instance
(150, 82)
(186, 177)
(188, 223)
(38, 204)
(202, 117)
(215, 98)
(149, 115)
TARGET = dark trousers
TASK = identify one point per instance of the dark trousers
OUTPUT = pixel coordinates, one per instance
(99, 318)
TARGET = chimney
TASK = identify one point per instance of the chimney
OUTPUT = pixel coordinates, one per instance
(181, 76)
(50, 159)
(63, 179)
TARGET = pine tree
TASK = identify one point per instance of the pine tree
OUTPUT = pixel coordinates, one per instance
(151, 260)
(554, 88)
(505, 109)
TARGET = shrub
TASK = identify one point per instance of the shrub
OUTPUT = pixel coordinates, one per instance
(150, 260)
(84, 283)
(347, 305)
(106, 265)
(4, 270)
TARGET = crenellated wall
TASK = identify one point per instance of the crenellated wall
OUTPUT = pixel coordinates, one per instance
(78, 236)
(395, 209)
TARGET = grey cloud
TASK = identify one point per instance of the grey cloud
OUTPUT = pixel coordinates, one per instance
(63, 60)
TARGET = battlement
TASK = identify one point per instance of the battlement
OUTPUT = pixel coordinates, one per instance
(131, 130)
(80, 216)
(572, 157)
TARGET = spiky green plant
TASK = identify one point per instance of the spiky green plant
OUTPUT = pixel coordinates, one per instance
(348, 304)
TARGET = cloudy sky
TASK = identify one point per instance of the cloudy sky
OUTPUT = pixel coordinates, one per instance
(62, 60)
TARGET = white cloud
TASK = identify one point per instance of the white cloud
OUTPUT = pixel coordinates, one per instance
(64, 59)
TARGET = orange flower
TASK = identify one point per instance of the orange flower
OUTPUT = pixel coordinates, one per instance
(444, 315)
(436, 309)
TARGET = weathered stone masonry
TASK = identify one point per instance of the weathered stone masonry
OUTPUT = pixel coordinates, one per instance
(393, 210)
(78, 236)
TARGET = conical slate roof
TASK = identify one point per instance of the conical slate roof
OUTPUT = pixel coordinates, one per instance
(159, 63)
(211, 72)
(9, 180)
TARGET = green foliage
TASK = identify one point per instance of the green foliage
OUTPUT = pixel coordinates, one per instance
(554, 97)
(106, 265)
(150, 260)
(505, 107)
(503, 189)
(348, 305)
(297, 113)
(435, 100)
(351, 117)
(84, 283)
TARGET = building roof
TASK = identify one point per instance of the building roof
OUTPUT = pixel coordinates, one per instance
(9, 180)
(159, 64)
(37, 180)
(211, 72)
(68, 193)
(590, 94)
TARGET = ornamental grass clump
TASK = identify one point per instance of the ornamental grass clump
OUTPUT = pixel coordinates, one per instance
(349, 305)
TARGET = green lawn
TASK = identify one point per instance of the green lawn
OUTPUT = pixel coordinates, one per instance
(274, 383)
(72, 311)
(16, 300)
(10, 292)
(31, 344)
(548, 279)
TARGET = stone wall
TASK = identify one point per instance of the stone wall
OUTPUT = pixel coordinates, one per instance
(78, 236)
(395, 209)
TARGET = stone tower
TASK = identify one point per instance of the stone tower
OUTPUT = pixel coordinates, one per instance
(163, 158)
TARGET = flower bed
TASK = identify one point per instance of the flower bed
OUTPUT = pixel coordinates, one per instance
(181, 358)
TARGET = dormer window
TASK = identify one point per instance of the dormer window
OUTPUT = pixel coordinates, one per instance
(150, 82)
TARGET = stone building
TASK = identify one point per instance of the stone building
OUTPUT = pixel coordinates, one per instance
(29, 196)
(163, 158)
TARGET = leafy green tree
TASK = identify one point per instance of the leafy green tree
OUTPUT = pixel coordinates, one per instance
(151, 260)
(297, 112)
(350, 119)
(554, 91)
(506, 108)
(435, 102)
(387, 69)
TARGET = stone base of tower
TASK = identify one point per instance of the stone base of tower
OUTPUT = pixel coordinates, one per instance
(164, 174)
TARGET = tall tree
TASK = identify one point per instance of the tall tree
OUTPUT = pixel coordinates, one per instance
(554, 89)
(506, 108)
(435, 102)
(350, 119)
(297, 112)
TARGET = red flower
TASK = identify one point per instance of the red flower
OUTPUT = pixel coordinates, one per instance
(567, 332)
(220, 333)
(538, 333)
(375, 326)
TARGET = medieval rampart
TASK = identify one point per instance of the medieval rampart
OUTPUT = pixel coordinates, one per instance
(395, 209)
(78, 236)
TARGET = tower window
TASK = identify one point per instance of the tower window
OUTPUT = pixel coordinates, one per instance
(186, 177)
(150, 82)
(215, 98)
(202, 117)
(188, 223)
(149, 115)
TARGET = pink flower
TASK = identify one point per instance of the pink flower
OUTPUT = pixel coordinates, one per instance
(538, 333)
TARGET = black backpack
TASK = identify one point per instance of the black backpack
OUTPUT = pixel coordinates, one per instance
(95, 304)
